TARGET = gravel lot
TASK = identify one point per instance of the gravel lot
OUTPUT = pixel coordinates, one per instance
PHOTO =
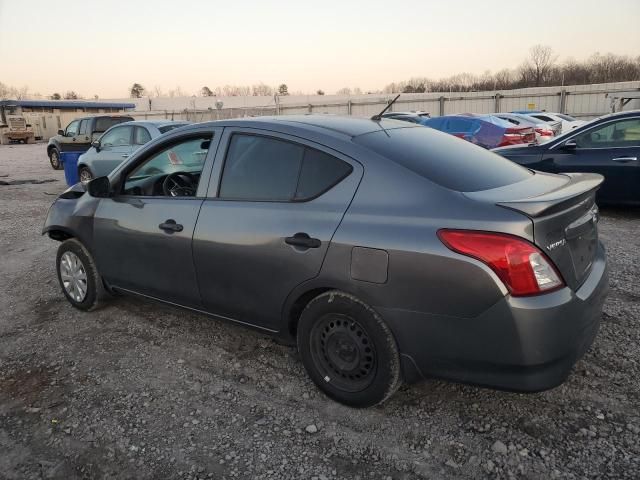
(140, 390)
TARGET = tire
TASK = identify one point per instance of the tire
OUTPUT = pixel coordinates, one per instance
(85, 175)
(54, 158)
(348, 350)
(89, 292)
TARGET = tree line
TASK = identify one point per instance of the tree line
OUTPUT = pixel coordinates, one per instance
(540, 69)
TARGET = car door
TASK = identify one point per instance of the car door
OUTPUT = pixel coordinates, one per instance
(142, 236)
(273, 206)
(611, 149)
(115, 148)
(69, 141)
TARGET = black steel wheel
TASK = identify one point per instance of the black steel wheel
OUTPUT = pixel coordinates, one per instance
(342, 349)
(348, 350)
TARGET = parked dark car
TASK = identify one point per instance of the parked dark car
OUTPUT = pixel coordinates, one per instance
(386, 251)
(484, 130)
(609, 145)
(79, 135)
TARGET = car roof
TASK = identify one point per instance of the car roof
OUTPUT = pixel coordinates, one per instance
(156, 123)
(331, 125)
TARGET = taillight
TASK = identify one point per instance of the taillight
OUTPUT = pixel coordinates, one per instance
(521, 266)
(545, 132)
(513, 132)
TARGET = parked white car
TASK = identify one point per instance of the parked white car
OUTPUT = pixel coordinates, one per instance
(568, 122)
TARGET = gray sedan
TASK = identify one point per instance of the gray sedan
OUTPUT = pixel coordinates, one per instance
(386, 251)
(117, 144)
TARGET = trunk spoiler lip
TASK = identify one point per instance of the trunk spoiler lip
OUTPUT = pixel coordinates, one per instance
(578, 185)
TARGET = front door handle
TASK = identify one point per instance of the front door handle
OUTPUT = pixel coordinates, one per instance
(303, 240)
(125, 155)
(170, 226)
(625, 159)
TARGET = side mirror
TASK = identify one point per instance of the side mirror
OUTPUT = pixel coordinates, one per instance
(99, 187)
(61, 132)
(570, 145)
(96, 144)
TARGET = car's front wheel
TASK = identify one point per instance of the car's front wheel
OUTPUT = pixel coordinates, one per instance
(54, 158)
(78, 276)
(348, 350)
(85, 175)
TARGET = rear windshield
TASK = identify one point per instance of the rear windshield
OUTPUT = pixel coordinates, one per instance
(444, 159)
(167, 128)
(104, 123)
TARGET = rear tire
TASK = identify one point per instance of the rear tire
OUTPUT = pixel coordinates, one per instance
(348, 350)
(78, 276)
(54, 158)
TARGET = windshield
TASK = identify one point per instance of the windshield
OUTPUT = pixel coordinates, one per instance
(444, 159)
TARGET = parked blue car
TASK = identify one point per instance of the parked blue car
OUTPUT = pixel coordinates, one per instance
(486, 130)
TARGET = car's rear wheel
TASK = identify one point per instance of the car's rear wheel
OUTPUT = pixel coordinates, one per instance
(348, 350)
(85, 175)
(54, 158)
(78, 276)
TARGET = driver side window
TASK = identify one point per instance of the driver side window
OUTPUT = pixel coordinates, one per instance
(173, 171)
(72, 129)
(624, 133)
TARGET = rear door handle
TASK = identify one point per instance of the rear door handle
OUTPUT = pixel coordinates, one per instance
(170, 226)
(625, 159)
(303, 240)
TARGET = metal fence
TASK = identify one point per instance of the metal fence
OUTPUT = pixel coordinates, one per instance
(582, 101)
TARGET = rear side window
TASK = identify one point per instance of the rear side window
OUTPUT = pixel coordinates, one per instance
(269, 169)
(84, 127)
(443, 159)
(141, 136)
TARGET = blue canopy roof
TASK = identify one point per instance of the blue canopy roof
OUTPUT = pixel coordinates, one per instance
(64, 104)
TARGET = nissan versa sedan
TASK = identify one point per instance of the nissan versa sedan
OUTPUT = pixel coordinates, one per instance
(388, 252)
(118, 143)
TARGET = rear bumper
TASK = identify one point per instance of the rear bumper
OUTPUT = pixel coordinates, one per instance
(520, 343)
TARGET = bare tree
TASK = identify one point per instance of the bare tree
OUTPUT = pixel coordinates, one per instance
(344, 91)
(262, 90)
(5, 91)
(71, 95)
(540, 62)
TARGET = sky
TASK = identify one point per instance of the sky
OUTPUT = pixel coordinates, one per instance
(103, 47)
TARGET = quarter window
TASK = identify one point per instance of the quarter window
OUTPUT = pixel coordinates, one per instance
(269, 169)
(624, 133)
(319, 173)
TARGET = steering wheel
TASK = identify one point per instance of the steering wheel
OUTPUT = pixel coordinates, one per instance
(179, 184)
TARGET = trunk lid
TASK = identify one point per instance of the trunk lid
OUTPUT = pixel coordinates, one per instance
(564, 214)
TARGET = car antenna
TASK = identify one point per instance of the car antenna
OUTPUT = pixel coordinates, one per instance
(378, 117)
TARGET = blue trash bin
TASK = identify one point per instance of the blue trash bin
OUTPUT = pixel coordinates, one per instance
(70, 163)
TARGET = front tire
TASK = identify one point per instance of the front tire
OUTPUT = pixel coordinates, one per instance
(85, 175)
(348, 350)
(54, 158)
(78, 276)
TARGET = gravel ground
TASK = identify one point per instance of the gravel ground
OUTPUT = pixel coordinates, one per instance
(140, 390)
